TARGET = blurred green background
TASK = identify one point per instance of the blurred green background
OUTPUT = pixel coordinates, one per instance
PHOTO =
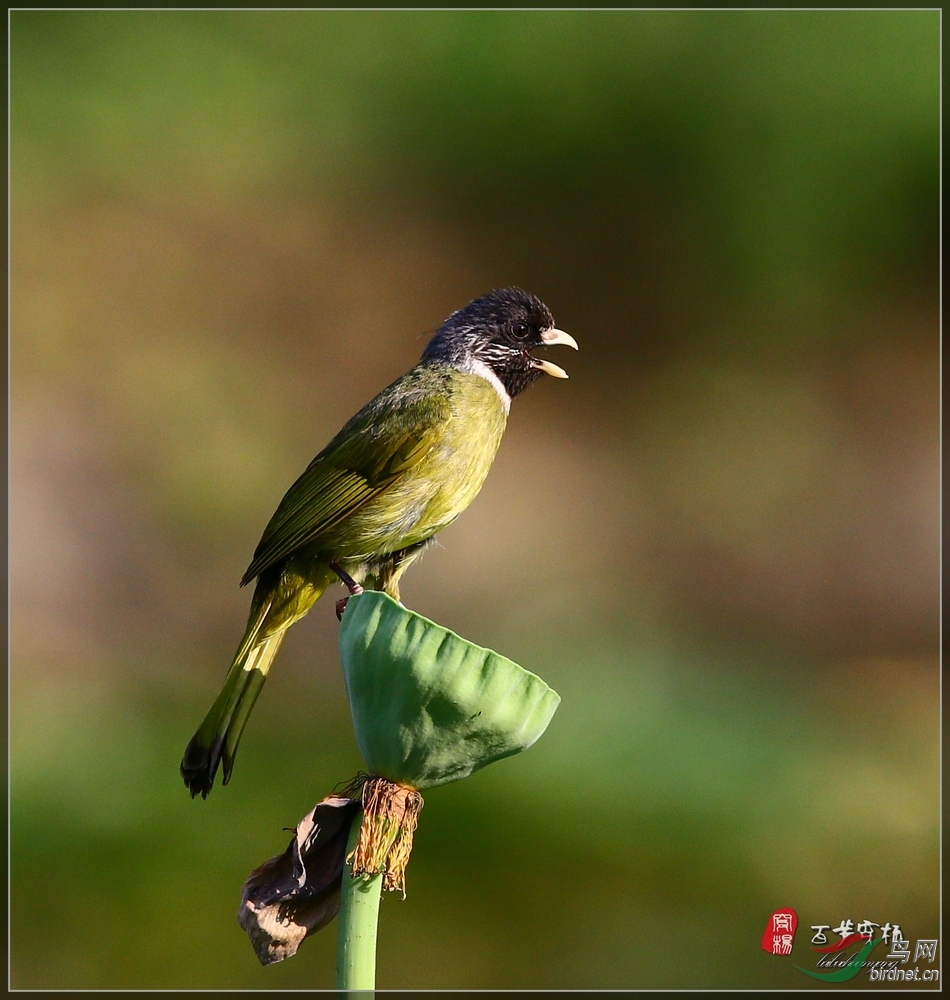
(717, 541)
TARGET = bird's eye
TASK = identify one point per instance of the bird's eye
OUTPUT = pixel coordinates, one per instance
(520, 331)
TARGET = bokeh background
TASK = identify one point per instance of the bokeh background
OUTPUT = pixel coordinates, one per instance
(718, 540)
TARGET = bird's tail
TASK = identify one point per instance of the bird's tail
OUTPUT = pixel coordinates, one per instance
(218, 736)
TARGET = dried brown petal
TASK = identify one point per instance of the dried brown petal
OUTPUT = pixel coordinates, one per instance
(298, 892)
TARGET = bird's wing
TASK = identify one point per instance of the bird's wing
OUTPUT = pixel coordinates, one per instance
(374, 450)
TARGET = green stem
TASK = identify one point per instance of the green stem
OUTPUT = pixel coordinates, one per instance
(359, 912)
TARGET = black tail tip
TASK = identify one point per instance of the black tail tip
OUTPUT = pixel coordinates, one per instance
(199, 765)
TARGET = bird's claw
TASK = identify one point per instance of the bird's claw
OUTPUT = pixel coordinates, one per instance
(341, 607)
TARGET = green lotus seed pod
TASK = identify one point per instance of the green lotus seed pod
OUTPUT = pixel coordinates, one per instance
(428, 706)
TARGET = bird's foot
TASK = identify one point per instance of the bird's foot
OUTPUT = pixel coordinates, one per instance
(351, 585)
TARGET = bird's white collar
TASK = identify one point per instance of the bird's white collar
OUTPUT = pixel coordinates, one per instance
(477, 367)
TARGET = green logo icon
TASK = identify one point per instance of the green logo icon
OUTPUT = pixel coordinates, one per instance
(848, 971)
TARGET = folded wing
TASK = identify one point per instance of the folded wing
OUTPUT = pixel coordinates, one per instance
(371, 454)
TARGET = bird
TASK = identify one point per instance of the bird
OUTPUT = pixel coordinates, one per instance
(403, 468)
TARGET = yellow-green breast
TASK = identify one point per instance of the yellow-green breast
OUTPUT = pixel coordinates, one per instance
(446, 479)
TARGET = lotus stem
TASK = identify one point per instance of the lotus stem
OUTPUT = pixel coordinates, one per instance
(359, 915)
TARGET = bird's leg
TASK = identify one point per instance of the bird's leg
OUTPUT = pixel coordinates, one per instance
(389, 572)
(351, 585)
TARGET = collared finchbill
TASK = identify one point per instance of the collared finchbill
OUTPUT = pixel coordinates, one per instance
(551, 337)
(405, 466)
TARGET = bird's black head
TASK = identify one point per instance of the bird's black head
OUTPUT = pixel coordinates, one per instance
(496, 332)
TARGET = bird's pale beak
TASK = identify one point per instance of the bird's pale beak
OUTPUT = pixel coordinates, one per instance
(551, 337)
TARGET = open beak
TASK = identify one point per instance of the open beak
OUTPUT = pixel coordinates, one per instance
(551, 337)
